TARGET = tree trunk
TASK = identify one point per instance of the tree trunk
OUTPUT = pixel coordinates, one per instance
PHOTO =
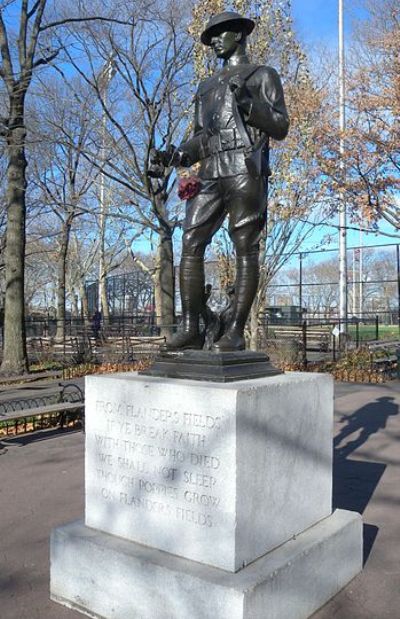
(61, 273)
(84, 304)
(103, 300)
(75, 310)
(165, 285)
(254, 325)
(15, 359)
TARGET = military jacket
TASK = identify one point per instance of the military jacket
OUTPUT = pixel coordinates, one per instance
(217, 143)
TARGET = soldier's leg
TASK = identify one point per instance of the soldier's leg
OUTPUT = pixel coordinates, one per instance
(191, 279)
(203, 217)
(247, 201)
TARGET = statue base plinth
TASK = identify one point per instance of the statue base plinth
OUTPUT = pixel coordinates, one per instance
(218, 367)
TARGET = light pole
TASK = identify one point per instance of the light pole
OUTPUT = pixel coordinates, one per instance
(342, 204)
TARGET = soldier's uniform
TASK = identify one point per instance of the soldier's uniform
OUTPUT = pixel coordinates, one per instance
(227, 188)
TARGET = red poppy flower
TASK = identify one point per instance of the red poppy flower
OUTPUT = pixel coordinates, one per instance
(188, 187)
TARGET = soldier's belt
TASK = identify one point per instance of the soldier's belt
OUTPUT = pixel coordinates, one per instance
(226, 139)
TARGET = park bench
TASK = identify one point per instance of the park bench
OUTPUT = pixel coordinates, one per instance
(87, 348)
(385, 356)
(65, 403)
(130, 348)
(38, 385)
(113, 348)
(68, 347)
(38, 343)
(383, 345)
(40, 348)
(7, 381)
(145, 346)
(316, 339)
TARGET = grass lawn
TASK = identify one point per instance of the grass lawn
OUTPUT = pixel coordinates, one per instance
(367, 332)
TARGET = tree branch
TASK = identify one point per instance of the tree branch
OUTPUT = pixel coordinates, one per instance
(47, 60)
(70, 20)
(33, 9)
(7, 71)
(22, 32)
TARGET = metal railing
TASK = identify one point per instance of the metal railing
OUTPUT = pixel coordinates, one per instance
(130, 338)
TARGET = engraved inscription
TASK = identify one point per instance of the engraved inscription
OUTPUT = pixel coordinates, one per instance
(158, 461)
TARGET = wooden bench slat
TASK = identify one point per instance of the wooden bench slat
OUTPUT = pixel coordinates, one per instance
(55, 386)
(30, 377)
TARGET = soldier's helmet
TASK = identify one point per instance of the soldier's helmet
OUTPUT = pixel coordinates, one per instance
(225, 21)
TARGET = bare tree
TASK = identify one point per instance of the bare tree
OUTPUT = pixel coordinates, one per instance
(61, 172)
(82, 262)
(25, 47)
(146, 106)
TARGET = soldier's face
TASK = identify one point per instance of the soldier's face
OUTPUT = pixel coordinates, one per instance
(226, 43)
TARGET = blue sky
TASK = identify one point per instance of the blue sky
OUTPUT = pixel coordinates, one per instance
(316, 21)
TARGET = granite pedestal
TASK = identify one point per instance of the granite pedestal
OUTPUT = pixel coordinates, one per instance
(104, 576)
(236, 477)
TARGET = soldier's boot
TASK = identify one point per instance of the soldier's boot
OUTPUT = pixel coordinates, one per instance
(247, 274)
(191, 279)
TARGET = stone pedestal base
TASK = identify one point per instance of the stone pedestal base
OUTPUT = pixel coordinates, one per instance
(110, 578)
(215, 473)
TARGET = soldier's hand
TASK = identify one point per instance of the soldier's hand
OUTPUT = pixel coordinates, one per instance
(161, 159)
(155, 156)
(170, 157)
(156, 167)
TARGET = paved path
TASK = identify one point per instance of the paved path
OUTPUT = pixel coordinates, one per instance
(367, 479)
(41, 486)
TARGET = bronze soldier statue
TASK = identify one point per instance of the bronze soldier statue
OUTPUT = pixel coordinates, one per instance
(237, 110)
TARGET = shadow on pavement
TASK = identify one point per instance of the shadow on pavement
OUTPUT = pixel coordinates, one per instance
(39, 435)
(370, 531)
(354, 481)
(366, 420)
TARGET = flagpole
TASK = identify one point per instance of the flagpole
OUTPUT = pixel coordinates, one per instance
(342, 203)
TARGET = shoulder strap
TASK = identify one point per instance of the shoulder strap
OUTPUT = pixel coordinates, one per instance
(241, 127)
(244, 134)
